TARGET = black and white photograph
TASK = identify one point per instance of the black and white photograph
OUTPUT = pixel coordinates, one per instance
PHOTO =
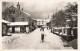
(39, 25)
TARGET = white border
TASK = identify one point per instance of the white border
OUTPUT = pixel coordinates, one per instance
(43, 1)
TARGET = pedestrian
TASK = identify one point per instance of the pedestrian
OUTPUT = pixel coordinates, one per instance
(42, 35)
(40, 28)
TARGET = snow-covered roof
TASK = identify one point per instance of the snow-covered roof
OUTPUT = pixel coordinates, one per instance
(39, 19)
(68, 20)
(18, 23)
(4, 21)
(47, 20)
(26, 13)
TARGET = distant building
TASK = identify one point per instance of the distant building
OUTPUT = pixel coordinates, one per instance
(41, 22)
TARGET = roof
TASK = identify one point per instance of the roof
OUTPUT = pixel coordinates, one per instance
(39, 19)
(68, 20)
(18, 23)
(25, 13)
(4, 21)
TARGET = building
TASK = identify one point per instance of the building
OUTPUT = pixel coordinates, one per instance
(16, 16)
(42, 22)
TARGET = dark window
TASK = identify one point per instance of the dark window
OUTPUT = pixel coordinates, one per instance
(22, 19)
(12, 19)
(10, 11)
(14, 12)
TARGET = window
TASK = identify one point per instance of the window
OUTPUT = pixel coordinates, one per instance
(14, 12)
(22, 19)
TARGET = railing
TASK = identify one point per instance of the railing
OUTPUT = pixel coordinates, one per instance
(67, 33)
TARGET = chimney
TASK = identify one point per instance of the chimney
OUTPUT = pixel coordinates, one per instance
(18, 5)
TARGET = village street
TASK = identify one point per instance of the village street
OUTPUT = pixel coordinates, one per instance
(33, 41)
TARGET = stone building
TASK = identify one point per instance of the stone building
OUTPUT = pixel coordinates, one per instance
(13, 14)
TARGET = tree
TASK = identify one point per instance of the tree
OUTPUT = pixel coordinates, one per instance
(71, 10)
(59, 18)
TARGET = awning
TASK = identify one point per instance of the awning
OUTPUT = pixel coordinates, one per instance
(4, 21)
(18, 23)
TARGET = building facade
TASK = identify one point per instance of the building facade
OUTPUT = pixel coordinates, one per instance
(16, 14)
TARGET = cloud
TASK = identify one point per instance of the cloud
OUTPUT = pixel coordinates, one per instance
(39, 9)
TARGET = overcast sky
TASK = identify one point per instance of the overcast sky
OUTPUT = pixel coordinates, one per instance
(39, 9)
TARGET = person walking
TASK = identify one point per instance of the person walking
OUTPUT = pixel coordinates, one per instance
(42, 35)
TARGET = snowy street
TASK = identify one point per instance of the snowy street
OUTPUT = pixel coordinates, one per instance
(39, 25)
(33, 41)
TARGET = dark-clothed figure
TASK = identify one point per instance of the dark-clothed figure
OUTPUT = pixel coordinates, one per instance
(42, 29)
(42, 35)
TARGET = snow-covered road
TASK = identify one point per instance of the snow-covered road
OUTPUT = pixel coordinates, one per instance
(32, 41)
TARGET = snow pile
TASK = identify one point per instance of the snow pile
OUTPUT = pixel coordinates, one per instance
(54, 40)
(7, 40)
(32, 41)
